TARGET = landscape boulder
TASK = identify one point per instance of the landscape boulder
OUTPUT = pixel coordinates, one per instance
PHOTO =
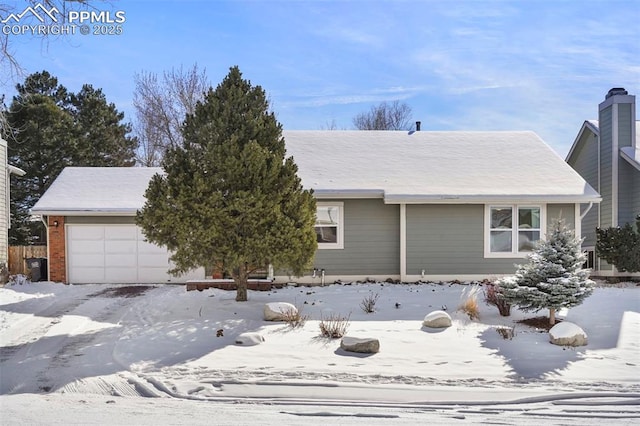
(437, 319)
(567, 334)
(363, 345)
(249, 339)
(279, 311)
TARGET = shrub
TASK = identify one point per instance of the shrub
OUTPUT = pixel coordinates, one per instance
(493, 297)
(294, 318)
(469, 304)
(553, 277)
(507, 333)
(334, 326)
(368, 304)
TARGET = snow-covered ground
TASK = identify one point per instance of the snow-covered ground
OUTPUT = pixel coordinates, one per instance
(90, 355)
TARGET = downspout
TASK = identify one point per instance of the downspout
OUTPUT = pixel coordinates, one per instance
(586, 211)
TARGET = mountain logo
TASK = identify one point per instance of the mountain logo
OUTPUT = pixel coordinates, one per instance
(38, 11)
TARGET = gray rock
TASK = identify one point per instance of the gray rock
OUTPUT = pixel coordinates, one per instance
(437, 319)
(277, 311)
(567, 334)
(363, 345)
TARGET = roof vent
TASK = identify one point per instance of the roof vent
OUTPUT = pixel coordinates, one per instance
(616, 91)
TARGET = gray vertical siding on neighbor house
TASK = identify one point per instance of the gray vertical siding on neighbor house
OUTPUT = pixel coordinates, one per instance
(606, 166)
(449, 239)
(371, 241)
(628, 193)
(584, 160)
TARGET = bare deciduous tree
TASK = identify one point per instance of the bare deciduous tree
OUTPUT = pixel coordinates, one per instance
(161, 105)
(385, 116)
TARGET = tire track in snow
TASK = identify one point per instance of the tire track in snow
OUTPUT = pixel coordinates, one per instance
(55, 312)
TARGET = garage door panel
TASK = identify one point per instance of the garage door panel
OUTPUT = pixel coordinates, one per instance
(120, 233)
(148, 248)
(120, 260)
(121, 275)
(120, 246)
(154, 260)
(86, 232)
(85, 246)
(87, 261)
(88, 275)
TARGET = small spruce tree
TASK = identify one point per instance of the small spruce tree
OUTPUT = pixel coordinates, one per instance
(553, 278)
(620, 246)
(229, 196)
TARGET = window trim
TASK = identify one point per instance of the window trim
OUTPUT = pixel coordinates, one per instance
(339, 245)
(515, 228)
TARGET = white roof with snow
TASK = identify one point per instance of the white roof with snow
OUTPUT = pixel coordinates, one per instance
(96, 190)
(401, 167)
(416, 167)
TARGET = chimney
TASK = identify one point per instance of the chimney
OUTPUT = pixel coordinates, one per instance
(616, 91)
(417, 126)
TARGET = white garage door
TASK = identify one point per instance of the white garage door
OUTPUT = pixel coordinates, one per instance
(117, 254)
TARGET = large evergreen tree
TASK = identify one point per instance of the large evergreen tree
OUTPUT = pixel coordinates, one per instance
(229, 195)
(52, 129)
(553, 278)
(620, 246)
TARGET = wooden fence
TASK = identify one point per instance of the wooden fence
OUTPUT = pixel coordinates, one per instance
(19, 254)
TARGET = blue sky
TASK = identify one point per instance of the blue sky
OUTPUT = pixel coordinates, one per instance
(541, 65)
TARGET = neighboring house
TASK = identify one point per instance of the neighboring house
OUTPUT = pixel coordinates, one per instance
(5, 193)
(606, 153)
(400, 205)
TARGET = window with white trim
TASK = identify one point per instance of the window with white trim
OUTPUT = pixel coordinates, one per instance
(329, 225)
(512, 230)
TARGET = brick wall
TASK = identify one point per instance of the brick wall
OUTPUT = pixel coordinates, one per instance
(57, 250)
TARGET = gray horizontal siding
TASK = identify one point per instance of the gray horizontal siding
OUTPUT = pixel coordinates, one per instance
(585, 158)
(628, 193)
(585, 161)
(371, 241)
(449, 239)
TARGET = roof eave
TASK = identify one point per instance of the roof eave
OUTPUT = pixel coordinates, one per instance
(630, 159)
(488, 199)
(586, 125)
(84, 212)
(347, 193)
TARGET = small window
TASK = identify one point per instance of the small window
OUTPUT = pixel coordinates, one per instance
(513, 230)
(590, 263)
(329, 225)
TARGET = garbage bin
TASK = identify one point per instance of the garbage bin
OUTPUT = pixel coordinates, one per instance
(38, 268)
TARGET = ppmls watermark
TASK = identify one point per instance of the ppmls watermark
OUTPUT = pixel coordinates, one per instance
(39, 20)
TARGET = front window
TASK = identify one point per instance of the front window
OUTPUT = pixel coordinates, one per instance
(329, 225)
(513, 230)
